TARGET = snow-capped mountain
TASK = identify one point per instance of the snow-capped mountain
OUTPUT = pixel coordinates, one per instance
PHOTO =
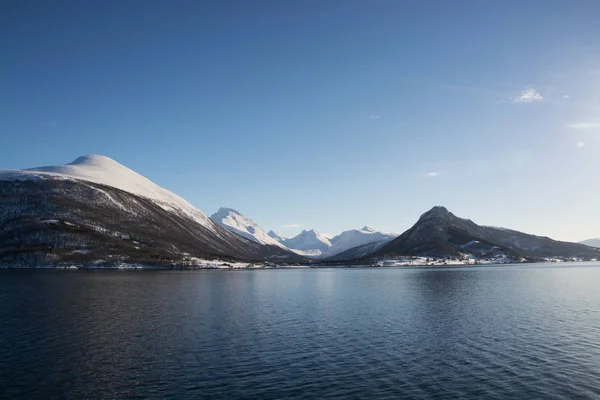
(309, 243)
(95, 211)
(592, 242)
(275, 236)
(106, 171)
(358, 252)
(234, 221)
(439, 233)
(355, 238)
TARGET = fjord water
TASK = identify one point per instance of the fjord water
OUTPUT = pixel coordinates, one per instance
(482, 332)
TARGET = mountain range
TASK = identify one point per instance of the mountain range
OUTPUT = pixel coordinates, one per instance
(97, 212)
(308, 243)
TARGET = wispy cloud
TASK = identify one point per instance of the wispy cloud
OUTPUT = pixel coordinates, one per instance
(584, 125)
(292, 226)
(432, 175)
(580, 145)
(529, 95)
(374, 116)
(566, 96)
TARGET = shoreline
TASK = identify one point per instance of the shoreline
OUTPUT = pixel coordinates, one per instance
(295, 267)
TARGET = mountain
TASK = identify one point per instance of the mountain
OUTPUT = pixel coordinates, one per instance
(356, 253)
(234, 221)
(276, 236)
(439, 233)
(309, 243)
(95, 211)
(592, 242)
(539, 246)
(356, 238)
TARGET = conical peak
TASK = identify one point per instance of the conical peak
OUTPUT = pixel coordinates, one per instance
(92, 159)
(439, 209)
(226, 210)
(437, 212)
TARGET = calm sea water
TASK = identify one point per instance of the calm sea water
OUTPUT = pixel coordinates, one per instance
(487, 332)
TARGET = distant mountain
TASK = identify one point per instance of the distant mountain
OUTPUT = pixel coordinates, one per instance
(309, 243)
(276, 236)
(358, 252)
(439, 233)
(539, 246)
(356, 238)
(233, 220)
(306, 244)
(95, 211)
(592, 242)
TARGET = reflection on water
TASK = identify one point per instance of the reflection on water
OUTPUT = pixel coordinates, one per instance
(493, 332)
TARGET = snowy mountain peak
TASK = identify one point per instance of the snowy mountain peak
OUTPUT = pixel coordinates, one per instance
(106, 171)
(308, 241)
(90, 162)
(234, 221)
(357, 237)
(275, 235)
(224, 211)
(96, 160)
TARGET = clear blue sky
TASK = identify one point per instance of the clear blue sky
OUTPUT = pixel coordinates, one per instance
(325, 114)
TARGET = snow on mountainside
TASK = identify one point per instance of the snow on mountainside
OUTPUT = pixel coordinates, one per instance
(234, 221)
(357, 252)
(355, 238)
(275, 236)
(592, 242)
(106, 171)
(309, 243)
(94, 211)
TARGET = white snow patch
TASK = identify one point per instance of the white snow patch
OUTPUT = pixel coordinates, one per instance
(308, 241)
(356, 237)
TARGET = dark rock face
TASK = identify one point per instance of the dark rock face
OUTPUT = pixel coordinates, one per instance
(439, 233)
(51, 222)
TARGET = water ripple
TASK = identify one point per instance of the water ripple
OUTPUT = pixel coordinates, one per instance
(494, 333)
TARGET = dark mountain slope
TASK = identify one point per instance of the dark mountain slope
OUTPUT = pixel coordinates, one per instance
(67, 221)
(538, 246)
(439, 233)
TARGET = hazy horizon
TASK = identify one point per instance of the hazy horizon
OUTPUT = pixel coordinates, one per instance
(320, 115)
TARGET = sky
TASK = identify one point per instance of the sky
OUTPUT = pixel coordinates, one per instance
(328, 114)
